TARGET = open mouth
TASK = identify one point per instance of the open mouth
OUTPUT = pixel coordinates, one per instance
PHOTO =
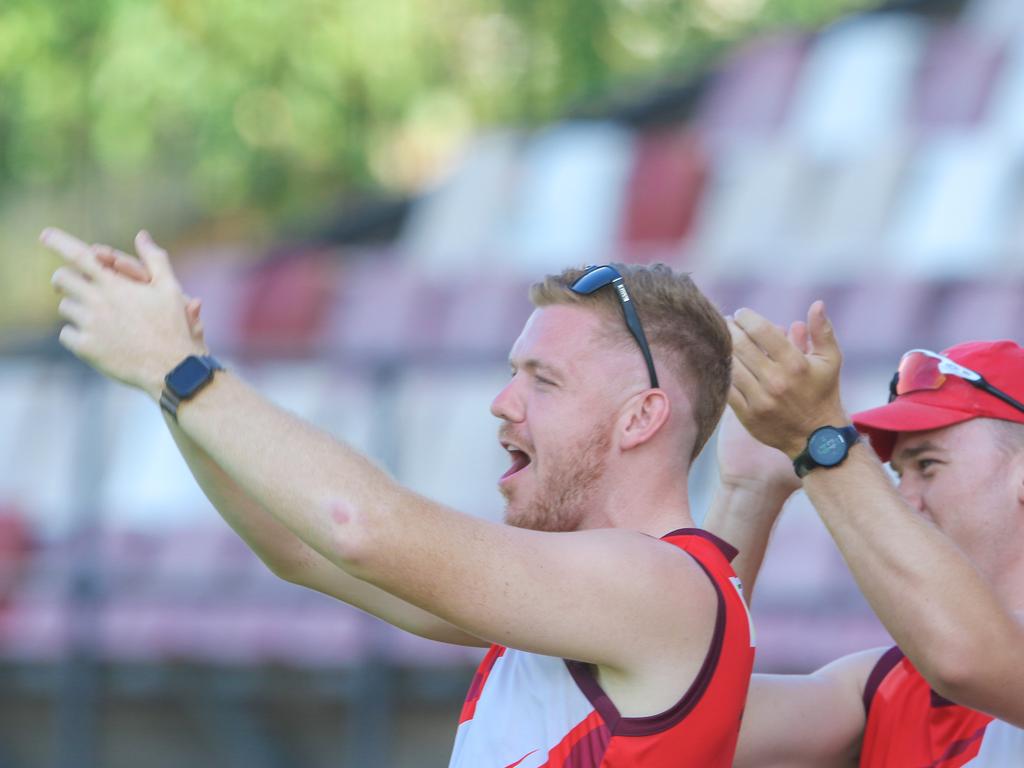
(520, 460)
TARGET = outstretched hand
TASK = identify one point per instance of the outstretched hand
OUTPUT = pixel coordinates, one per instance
(128, 329)
(132, 268)
(785, 386)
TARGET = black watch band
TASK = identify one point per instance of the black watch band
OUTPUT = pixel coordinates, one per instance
(826, 447)
(186, 380)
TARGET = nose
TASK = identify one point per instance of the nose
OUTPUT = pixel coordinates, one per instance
(910, 490)
(507, 404)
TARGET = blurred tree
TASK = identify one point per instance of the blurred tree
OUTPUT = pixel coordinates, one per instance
(114, 112)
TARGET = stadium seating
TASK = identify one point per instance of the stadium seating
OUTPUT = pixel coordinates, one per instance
(749, 96)
(875, 164)
(665, 184)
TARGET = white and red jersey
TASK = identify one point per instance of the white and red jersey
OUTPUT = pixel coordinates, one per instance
(911, 726)
(529, 711)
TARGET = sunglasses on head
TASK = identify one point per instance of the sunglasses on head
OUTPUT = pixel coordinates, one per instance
(596, 278)
(922, 370)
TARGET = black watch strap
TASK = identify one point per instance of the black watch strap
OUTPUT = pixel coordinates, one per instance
(170, 402)
(186, 380)
(826, 447)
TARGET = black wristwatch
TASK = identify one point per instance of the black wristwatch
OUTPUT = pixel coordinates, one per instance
(826, 447)
(188, 377)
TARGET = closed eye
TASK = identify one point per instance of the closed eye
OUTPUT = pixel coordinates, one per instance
(920, 466)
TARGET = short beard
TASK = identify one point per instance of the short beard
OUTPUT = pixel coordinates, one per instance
(561, 503)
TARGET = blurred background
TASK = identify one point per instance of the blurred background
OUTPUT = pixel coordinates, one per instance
(361, 194)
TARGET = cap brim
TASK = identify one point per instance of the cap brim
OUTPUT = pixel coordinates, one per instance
(882, 424)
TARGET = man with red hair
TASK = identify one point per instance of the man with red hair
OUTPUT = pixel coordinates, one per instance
(616, 630)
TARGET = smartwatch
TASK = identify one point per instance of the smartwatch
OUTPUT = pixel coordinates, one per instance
(184, 382)
(826, 447)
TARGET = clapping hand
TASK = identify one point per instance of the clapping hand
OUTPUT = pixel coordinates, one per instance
(784, 386)
(130, 329)
(132, 268)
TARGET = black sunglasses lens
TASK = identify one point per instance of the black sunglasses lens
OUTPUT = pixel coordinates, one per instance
(594, 279)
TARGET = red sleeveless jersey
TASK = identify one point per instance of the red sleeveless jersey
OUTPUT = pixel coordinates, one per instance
(529, 711)
(911, 726)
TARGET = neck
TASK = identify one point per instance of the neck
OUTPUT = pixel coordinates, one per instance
(654, 506)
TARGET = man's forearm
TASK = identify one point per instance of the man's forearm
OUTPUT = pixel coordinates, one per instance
(278, 547)
(744, 515)
(293, 559)
(307, 481)
(937, 606)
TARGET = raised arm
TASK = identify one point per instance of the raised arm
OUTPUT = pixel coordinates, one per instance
(554, 594)
(938, 607)
(754, 482)
(282, 551)
(292, 559)
(791, 721)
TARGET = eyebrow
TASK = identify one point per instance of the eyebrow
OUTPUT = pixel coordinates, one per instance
(910, 453)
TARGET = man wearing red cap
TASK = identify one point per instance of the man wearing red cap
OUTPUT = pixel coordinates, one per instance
(940, 558)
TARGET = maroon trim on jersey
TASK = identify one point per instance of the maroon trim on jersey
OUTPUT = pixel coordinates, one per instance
(882, 667)
(938, 700)
(727, 549)
(958, 747)
(645, 726)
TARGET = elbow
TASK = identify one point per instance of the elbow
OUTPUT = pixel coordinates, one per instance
(966, 686)
(295, 564)
(949, 679)
(343, 537)
(958, 668)
(290, 570)
(356, 540)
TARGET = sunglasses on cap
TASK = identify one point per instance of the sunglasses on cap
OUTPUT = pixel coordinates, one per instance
(922, 370)
(596, 278)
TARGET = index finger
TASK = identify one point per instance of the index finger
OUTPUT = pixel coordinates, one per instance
(74, 251)
(766, 335)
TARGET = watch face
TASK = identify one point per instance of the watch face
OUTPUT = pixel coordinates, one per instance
(188, 377)
(827, 446)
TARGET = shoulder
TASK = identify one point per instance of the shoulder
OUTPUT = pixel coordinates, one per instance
(663, 587)
(680, 554)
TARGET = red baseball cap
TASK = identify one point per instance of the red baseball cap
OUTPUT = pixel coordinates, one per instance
(952, 399)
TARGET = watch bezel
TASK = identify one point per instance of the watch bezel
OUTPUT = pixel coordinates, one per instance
(807, 460)
(827, 454)
(189, 376)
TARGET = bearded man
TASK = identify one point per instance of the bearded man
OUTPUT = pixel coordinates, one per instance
(617, 631)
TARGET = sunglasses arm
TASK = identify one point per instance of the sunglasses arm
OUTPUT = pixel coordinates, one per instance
(633, 323)
(1001, 395)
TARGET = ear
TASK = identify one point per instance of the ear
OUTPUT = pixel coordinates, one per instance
(642, 417)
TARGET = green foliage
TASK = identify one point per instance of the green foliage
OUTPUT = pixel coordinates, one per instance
(183, 111)
(277, 101)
